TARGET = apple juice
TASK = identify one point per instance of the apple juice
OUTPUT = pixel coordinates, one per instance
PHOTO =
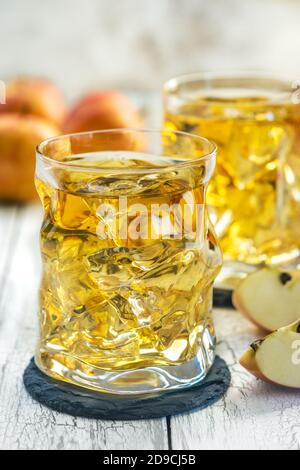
(255, 192)
(118, 293)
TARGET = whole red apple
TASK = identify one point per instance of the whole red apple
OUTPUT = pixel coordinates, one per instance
(19, 136)
(105, 110)
(34, 96)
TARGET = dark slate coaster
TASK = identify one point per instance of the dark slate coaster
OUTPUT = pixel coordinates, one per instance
(223, 298)
(77, 401)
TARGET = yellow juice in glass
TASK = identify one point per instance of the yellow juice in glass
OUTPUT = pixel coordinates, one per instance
(123, 288)
(255, 192)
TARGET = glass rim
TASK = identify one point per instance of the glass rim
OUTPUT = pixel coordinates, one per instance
(209, 155)
(286, 81)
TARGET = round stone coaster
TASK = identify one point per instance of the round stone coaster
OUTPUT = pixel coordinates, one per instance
(223, 298)
(77, 401)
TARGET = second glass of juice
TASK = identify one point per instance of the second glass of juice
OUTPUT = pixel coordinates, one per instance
(255, 192)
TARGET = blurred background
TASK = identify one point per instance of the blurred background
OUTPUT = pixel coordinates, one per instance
(138, 44)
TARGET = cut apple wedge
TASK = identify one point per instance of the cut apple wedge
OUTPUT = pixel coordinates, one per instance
(270, 298)
(276, 358)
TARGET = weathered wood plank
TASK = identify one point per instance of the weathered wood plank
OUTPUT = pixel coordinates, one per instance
(253, 415)
(8, 221)
(24, 424)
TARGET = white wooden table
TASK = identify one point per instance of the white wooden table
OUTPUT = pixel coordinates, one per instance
(253, 415)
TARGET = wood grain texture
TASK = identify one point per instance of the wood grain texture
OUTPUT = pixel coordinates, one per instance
(24, 424)
(253, 415)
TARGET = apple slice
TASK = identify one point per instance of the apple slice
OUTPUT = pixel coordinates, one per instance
(270, 298)
(276, 358)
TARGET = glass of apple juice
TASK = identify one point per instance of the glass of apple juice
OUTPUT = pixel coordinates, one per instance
(129, 259)
(255, 192)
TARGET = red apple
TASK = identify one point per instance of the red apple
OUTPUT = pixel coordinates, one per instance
(19, 136)
(35, 96)
(107, 110)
